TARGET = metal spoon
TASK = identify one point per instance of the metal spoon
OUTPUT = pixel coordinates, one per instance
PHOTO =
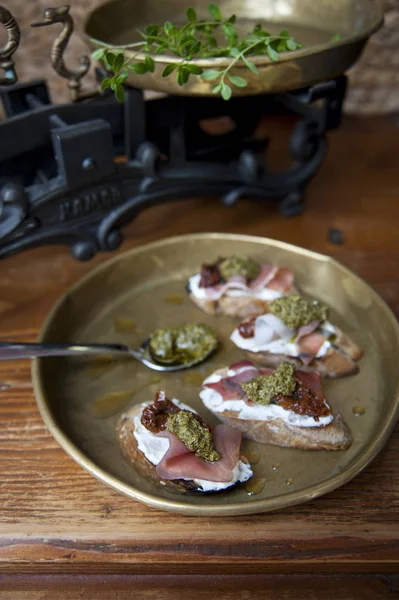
(12, 351)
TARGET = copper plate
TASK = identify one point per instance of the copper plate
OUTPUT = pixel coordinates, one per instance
(312, 22)
(146, 284)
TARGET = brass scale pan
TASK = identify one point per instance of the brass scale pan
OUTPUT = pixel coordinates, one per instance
(311, 22)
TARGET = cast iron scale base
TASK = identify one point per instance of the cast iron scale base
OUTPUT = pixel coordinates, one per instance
(60, 183)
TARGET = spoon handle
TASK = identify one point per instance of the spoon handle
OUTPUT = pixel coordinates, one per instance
(14, 351)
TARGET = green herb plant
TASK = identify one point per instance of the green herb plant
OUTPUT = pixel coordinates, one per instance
(196, 39)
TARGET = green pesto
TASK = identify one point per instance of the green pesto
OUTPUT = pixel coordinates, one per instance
(236, 265)
(162, 344)
(296, 311)
(182, 344)
(263, 389)
(194, 436)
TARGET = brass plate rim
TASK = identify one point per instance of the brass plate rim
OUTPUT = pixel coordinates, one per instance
(240, 508)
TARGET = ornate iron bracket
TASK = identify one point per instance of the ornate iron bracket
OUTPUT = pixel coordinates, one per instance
(12, 43)
(61, 185)
(73, 76)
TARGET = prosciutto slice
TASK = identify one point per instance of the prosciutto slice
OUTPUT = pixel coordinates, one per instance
(282, 281)
(180, 463)
(275, 278)
(265, 371)
(309, 346)
(306, 330)
(269, 330)
(229, 387)
(217, 291)
(313, 380)
(266, 274)
(242, 364)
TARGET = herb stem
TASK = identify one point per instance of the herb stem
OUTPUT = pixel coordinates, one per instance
(236, 59)
(124, 47)
(132, 58)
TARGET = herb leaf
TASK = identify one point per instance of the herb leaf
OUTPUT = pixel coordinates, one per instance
(118, 62)
(139, 68)
(168, 27)
(195, 69)
(214, 11)
(106, 83)
(250, 65)
(183, 74)
(272, 54)
(210, 75)
(152, 30)
(119, 93)
(98, 54)
(168, 70)
(110, 58)
(149, 63)
(238, 81)
(191, 15)
(226, 91)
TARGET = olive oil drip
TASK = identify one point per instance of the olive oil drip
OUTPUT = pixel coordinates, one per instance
(98, 365)
(252, 456)
(255, 486)
(194, 378)
(122, 325)
(112, 403)
(174, 299)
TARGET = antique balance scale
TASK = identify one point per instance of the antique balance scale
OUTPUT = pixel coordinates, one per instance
(59, 181)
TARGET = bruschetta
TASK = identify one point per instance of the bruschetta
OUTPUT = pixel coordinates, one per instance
(282, 407)
(238, 287)
(297, 330)
(168, 442)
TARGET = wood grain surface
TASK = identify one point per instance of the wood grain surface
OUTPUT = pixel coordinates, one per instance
(57, 520)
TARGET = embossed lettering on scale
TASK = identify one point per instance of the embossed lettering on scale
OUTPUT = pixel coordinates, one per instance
(89, 203)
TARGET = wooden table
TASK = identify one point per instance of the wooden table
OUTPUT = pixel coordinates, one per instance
(65, 535)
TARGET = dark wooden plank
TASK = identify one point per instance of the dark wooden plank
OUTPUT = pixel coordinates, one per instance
(201, 587)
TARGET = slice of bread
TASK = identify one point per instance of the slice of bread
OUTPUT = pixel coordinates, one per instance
(257, 423)
(238, 307)
(334, 436)
(209, 306)
(339, 360)
(129, 446)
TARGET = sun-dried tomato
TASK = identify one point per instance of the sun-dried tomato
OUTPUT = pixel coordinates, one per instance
(247, 328)
(305, 401)
(210, 276)
(155, 416)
